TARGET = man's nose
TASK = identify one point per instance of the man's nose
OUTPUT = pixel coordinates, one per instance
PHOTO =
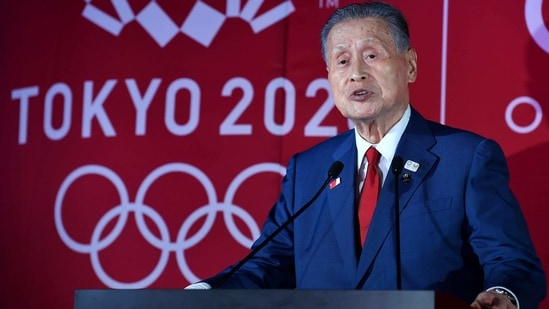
(359, 70)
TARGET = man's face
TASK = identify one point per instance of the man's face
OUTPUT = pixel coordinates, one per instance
(368, 77)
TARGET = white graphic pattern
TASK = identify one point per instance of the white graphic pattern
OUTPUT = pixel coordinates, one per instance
(533, 14)
(202, 24)
(182, 242)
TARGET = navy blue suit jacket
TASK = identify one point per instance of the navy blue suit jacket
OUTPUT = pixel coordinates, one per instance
(462, 229)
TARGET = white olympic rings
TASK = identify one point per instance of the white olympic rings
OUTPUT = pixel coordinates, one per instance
(182, 242)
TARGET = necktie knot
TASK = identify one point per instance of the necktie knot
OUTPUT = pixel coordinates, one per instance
(372, 155)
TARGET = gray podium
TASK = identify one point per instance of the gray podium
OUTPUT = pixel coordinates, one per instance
(244, 299)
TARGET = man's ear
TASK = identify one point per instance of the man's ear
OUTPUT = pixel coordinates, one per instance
(411, 58)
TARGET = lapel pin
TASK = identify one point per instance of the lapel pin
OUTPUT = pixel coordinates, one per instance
(335, 182)
(411, 165)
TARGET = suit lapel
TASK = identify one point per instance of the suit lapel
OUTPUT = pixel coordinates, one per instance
(414, 145)
(341, 200)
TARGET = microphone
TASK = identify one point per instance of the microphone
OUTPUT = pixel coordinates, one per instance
(397, 165)
(396, 168)
(333, 172)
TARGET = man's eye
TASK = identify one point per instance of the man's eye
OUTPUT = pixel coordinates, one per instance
(371, 56)
(342, 61)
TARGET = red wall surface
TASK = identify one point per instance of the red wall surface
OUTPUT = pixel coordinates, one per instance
(143, 142)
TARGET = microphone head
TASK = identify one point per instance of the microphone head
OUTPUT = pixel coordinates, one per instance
(397, 165)
(335, 169)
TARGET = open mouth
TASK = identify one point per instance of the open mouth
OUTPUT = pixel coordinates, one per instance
(361, 94)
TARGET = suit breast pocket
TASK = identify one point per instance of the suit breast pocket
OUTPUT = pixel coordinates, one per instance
(426, 208)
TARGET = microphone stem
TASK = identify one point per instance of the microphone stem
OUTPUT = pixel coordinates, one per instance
(397, 237)
(272, 235)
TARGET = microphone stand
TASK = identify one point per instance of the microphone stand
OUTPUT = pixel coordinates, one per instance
(333, 172)
(396, 168)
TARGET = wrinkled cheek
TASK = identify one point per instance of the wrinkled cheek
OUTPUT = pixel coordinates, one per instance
(351, 109)
(342, 108)
(337, 96)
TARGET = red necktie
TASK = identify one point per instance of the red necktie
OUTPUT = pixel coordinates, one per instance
(370, 193)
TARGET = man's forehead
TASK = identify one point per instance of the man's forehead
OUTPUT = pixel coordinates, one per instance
(360, 31)
(368, 26)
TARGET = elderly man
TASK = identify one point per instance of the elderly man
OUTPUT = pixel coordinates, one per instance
(459, 229)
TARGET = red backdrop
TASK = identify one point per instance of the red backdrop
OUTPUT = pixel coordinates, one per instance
(143, 142)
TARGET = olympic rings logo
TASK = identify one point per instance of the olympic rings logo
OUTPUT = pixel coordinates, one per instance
(183, 240)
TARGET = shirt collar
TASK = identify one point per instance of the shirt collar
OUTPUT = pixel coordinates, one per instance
(387, 145)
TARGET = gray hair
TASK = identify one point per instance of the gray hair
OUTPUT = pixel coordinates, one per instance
(396, 20)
